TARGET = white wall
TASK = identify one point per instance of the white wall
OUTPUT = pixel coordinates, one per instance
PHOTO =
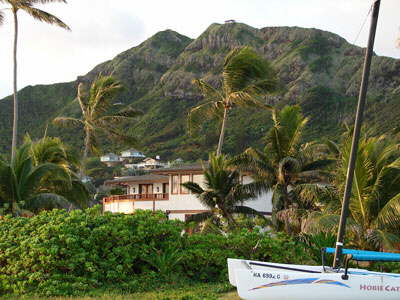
(262, 203)
(133, 186)
(126, 207)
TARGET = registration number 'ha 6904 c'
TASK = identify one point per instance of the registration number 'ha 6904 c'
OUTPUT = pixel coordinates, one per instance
(266, 275)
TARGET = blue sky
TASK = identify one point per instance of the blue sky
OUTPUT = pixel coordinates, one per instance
(101, 29)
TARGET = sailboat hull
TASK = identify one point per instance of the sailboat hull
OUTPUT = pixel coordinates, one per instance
(277, 285)
(234, 264)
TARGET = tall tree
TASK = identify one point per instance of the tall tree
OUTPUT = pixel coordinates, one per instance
(287, 167)
(98, 116)
(27, 6)
(245, 78)
(223, 193)
(374, 213)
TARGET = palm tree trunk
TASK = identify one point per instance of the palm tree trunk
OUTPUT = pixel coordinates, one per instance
(286, 206)
(222, 134)
(15, 122)
(85, 152)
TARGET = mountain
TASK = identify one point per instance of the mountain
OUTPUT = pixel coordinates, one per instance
(320, 70)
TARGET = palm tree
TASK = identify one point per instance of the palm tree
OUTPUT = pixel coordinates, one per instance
(375, 201)
(223, 193)
(288, 168)
(27, 183)
(97, 117)
(40, 15)
(52, 150)
(245, 77)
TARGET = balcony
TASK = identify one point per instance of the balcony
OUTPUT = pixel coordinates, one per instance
(137, 197)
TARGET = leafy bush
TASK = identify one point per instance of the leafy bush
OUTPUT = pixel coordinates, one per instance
(60, 253)
(205, 255)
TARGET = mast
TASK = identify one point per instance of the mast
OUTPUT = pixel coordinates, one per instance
(356, 134)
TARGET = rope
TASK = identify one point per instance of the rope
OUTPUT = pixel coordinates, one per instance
(362, 26)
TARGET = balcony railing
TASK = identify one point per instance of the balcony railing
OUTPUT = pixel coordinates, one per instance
(137, 197)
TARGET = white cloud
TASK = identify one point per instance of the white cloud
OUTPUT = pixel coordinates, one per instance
(103, 28)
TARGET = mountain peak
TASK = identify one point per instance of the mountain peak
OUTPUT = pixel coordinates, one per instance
(226, 36)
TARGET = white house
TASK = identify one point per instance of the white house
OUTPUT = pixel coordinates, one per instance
(131, 154)
(151, 163)
(162, 190)
(110, 159)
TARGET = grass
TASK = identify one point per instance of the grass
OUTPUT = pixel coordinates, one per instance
(197, 292)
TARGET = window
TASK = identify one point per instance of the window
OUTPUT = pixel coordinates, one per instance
(175, 184)
(184, 178)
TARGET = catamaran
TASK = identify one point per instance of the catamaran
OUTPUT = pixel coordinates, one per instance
(257, 280)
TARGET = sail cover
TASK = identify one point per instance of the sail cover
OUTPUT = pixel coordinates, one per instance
(363, 255)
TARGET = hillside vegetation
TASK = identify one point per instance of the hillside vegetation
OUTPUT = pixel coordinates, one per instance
(320, 71)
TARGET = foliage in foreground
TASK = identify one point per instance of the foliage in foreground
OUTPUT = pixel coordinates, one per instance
(60, 253)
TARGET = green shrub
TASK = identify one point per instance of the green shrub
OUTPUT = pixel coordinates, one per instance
(59, 253)
(205, 255)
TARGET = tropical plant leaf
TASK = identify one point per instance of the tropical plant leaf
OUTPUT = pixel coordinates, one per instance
(247, 211)
(46, 201)
(200, 217)
(67, 122)
(43, 16)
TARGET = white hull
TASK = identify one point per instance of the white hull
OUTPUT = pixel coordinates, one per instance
(282, 285)
(234, 264)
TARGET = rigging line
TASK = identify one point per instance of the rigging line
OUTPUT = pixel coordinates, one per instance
(362, 26)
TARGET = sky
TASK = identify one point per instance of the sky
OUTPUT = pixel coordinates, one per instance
(101, 29)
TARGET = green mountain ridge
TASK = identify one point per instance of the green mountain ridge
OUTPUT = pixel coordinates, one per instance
(321, 72)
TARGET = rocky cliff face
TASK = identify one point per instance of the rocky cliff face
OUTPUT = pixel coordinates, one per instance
(320, 70)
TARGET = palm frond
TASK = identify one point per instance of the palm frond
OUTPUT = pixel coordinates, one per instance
(102, 91)
(204, 112)
(200, 217)
(255, 163)
(193, 187)
(47, 1)
(45, 201)
(119, 117)
(243, 67)
(318, 164)
(287, 165)
(389, 215)
(31, 181)
(44, 16)
(320, 222)
(249, 99)
(209, 92)
(313, 193)
(333, 148)
(246, 211)
(1, 18)
(383, 239)
(67, 122)
(76, 194)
